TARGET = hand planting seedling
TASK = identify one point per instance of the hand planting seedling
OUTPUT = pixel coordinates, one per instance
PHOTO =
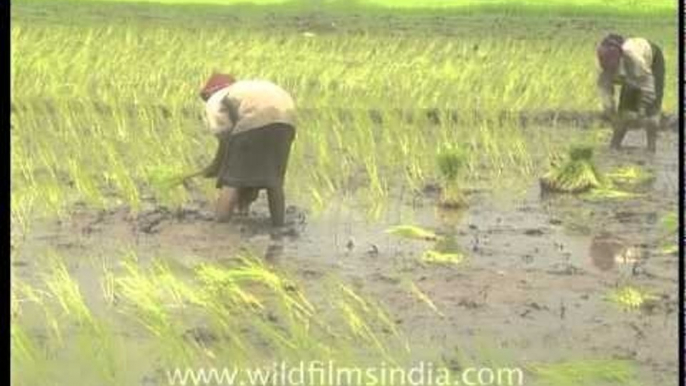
(254, 121)
(395, 127)
(166, 178)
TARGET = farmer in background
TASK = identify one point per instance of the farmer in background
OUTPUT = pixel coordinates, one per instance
(639, 67)
(254, 121)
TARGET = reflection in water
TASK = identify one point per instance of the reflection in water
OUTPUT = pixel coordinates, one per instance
(608, 250)
(273, 252)
(450, 218)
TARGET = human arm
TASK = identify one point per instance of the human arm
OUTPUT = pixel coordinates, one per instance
(212, 170)
(222, 116)
(606, 91)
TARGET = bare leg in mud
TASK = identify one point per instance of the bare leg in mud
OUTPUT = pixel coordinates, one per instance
(277, 203)
(246, 196)
(652, 126)
(226, 203)
(624, 123)
(619, 129)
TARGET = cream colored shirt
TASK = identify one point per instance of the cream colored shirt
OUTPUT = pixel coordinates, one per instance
(634, 70)
(247, 105)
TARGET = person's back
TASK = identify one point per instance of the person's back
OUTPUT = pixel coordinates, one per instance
(257, 103)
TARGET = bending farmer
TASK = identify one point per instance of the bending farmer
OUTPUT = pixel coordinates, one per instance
(639, 67)
(254, 121)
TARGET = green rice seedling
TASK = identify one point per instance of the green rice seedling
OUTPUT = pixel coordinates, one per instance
(670, 222)
(65, 290)
(419, 294)
(26, 294)
(21, 207)
(412, 232)
(125, 90)
(669, 249)
(98, 355)
(630, 298)
(446, 258)
(630, 175)
(148, 304)
(359, 327)
(108, 285)
(585, 373)
(367, 323)
(27, 359)
(24, 351)
(451, 161)
(576, 174)
(228, 287)
(607, 192)
(670, 225)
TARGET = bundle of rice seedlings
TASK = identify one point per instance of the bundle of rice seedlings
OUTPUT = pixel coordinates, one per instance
(451, 160)
(614, 181)
(576, 174)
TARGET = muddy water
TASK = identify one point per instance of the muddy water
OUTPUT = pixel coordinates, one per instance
(533, 284)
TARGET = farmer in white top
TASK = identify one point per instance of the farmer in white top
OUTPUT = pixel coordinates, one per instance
(254, 121)
(638, 65)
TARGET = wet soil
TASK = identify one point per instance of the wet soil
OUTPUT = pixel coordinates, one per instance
(533, 284)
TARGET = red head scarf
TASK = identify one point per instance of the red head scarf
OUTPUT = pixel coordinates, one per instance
(215, 83)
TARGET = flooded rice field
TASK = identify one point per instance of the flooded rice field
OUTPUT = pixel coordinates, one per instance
(534, 281)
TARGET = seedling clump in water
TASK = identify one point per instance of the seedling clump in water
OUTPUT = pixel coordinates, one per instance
(451, 160)
(670, 224)
(412, 232)
(630, 298)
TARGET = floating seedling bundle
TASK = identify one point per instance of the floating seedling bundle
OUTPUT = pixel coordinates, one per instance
(630, 176)
(630, 298)
(576, 174)
(412, 232)
(445, 251)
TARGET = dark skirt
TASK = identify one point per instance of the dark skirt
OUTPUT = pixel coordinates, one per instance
(256, 158)
(630, 97)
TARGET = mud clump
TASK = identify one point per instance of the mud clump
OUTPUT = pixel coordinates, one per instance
(607, 250)
(151, 220)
